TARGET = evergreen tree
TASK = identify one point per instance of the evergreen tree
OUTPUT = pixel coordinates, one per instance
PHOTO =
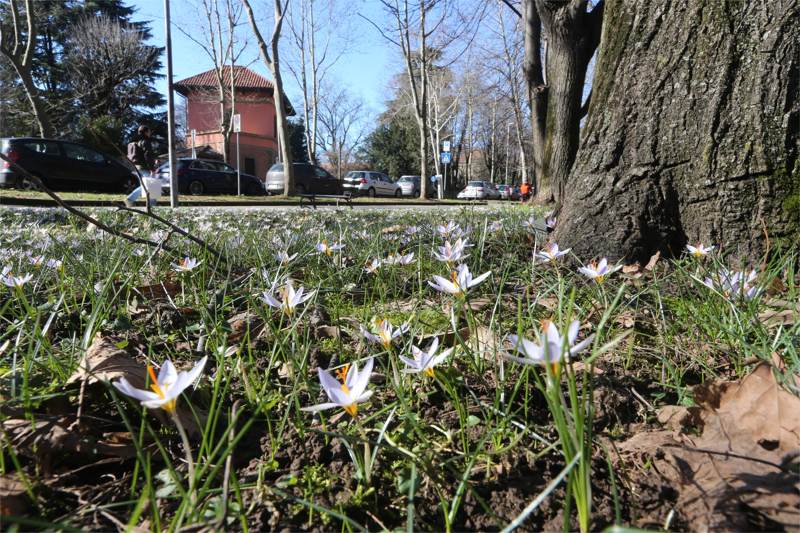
(104, 116)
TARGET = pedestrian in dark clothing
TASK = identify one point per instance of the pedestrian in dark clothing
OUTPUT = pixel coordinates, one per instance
(141, 154)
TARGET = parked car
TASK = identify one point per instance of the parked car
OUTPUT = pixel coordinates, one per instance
(308, 179)
(63, 165)
(508, 192)
(410, 186)
(362, 182)
(479, 190)
(207, 176)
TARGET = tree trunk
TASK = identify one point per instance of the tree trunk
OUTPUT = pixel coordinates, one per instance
(537, 95)
(692, 133)
(37, 106)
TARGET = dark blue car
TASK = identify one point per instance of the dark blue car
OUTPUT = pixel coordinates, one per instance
(207, 176)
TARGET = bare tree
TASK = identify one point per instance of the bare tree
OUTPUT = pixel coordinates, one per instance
(320, 40)
(442, 109)
(105, 56)
(17, 44)
(221, 45)
(340, 119)
(509, 71)
(271, 56)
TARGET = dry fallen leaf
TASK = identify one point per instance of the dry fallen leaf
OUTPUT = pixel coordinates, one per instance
(741, 472)
(106, 361)
(780, 313)
(159, 291)
(13, 500)
(651, 264)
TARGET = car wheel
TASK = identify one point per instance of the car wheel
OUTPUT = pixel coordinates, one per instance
(416, 194)
(196, 188)
(398, 193)
(300, 189)
(254, 189)
(371, 192)
(27, 185)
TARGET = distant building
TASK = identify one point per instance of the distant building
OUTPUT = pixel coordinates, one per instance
(254, 101)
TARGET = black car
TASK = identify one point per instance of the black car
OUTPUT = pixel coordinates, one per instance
(63, 165)
(308, 179)
(207, 176)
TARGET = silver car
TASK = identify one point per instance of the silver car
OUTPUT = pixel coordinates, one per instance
(409, 185)
(362, 182)
(479, 190)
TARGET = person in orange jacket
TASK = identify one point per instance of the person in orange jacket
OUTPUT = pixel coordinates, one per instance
(524, 192)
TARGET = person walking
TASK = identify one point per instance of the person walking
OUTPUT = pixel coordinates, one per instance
(524, 192)
(141, 154)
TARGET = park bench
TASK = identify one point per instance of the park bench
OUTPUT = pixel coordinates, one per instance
(311, 199)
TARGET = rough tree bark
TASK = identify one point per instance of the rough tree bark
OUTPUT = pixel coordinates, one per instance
(692, 133)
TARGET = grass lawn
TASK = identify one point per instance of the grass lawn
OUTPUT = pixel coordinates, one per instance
(392, 370)
(8, 195)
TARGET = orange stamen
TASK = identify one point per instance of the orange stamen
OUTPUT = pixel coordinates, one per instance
(341, 373)
(154, 382)
(351, 409)
(428, 372)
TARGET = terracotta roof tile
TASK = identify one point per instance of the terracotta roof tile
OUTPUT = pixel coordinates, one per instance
(244, 78)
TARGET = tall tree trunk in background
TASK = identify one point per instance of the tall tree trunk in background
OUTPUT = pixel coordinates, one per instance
(537, 95)
(272, 61)
(572, 37)
(692, 133)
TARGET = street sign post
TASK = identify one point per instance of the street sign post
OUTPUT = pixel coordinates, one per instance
(445, 146)
(194, 144)
(237, 127)
(445, 158)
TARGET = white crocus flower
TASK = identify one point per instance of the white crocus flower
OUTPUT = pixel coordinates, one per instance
(447, 229)
(699, 250)
(412, 230)
(386, 333)
(551, 252)
(289, 298)
(495, 226)
(598, 271)
(550, 222)
(734, 284)
(425, 361)
(451, 253)
(347, 393)
(187, 264)
(399, 259)
(552, 347)
(165, 388)
(373, 267)
(284, 258)
(10, 280)
(328, 249)
(460, 281)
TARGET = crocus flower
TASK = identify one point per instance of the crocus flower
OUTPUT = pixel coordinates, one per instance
(10, 280)
(373, 267)
(399, 259)
(386, 333)
(450, 253)
(552, 347)
(187, 264)
(412, 230)
(328, 249)
(699, 250)
(284, 258)
(347, 393)
(425, 361)
(550, 222)
(734, 284)
(598, 271)
(165, 388)
(447, 229)
(551, 252)
(460, 281)
(289, 298)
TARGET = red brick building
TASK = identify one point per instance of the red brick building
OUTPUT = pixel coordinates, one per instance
(258, 142)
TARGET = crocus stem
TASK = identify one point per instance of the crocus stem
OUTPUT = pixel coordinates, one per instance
(187, 449)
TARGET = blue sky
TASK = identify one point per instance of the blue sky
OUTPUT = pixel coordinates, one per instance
(366, 67)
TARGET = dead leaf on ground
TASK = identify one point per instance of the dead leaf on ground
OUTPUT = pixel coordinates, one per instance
(13, 498)
(631, 269)
(241, 323)
(106, 361)
(159, 291)
(780, 313)
(651, 264)
(741, 472)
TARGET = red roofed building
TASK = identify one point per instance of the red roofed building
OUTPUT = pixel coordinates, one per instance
(258, 142)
